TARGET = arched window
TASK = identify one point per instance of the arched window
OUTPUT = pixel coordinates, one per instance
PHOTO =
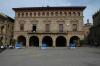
(56, 13)
(43, 14)
(30, 14)
(65, 13)
(78, 13)
(52, 13)
(47, 13)
(18, 14)
(69, 14)
(38, 13)
(74, 14)
(26, 14)
(34, 13)
(22, 14)
(60, 13)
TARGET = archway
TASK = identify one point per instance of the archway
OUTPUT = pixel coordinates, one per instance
(22, 40)
(75, 39)
(34, 41)
(60, 41)
(48, 41)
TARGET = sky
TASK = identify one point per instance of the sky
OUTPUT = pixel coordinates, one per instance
(92, 5)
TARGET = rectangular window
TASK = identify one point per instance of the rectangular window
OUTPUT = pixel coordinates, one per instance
(34, 28)
(60, 27)
(47, 27)
(74, 27)
(21, 27)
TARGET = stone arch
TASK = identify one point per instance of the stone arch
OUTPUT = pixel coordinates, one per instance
(22, 40)
(61, 41)
(48, 41)
(75, 39)
(34, 41)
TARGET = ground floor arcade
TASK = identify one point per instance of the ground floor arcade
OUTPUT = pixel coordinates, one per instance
(49, 40)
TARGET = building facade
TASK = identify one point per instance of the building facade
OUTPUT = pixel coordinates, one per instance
(6, 29)
(53, 26)
(94, 36)
(87, 31)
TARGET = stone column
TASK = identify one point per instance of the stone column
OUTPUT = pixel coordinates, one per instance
(40, 41)
(54, 42)
(27, 41)
(68, 42)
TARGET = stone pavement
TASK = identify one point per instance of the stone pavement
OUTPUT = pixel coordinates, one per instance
(82, 56)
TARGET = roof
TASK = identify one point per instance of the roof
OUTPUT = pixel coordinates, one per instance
(2, 15)
(96, 14)
(51, 8)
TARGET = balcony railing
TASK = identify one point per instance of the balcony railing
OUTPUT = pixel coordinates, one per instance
(37, 32)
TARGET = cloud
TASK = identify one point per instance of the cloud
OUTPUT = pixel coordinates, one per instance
(7, 5)
(28, 3)
(92, 5)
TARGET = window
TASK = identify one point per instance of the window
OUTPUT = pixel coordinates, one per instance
(47, 14)
(56, 13)
(21, 27)
(31, 14)
(34, 28)
(47, 27)
(26, 14)
(74, 27)
(22, 14)
(65, 13)
(52, 13)
(43, 14)
(60, 13)
(34, 14)
(8, 26)
(74, 14)
(78, 13)
(69, 13)
(2, 29)
(18, 14)
(60, 27)
(38, 13)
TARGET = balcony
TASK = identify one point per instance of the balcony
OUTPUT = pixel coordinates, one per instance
(37, 32)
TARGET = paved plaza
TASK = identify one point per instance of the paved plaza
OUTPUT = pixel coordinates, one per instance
(82, 56)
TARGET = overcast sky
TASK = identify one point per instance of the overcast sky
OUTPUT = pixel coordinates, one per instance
(92, 5)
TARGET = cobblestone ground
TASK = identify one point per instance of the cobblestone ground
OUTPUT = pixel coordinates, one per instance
(83, 56)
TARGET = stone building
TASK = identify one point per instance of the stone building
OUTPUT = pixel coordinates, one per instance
(96, 18)
(94, 36)
(6, 29)
(53, 26)
(87, 28)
